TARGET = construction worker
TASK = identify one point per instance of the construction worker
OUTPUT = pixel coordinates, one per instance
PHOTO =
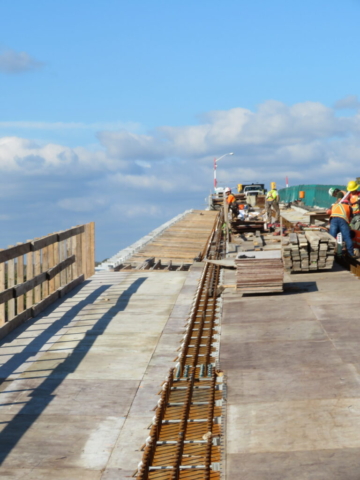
(272, 202)
(229, 196)
(231, 201)
(242, 211)
(340, 217)
(354, 201)
(337, 193)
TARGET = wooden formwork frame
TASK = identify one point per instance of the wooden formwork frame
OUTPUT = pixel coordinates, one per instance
(36, 273)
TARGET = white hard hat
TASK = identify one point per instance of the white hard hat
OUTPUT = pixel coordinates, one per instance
(227, 189)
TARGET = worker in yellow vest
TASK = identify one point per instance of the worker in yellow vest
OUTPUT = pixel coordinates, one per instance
(272, 202)
(339, 222)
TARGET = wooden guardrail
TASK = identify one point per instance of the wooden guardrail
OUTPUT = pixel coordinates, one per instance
(36, 273)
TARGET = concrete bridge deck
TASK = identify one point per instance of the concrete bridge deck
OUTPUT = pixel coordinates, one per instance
(293, 370)
(78, 382)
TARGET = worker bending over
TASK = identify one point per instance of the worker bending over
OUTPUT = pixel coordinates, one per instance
(337, 193)
(231, 201)
(272, 202)
(340, 217)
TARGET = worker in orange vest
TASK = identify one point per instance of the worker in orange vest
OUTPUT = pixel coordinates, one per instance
(242, 211)
(231, 201)
(354, 201)
(229, 196)
(340, 217)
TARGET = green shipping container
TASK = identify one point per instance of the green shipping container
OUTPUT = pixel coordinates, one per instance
(315, 195)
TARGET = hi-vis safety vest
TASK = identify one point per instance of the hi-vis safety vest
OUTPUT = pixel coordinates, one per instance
(341, 210)
(230, 199)
(272, 195)
(354, 197)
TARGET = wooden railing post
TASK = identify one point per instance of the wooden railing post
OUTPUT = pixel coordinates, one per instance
(69, 252)
(87, 250)
(62, 257)
(2, 287)
(29, 276)
(83, 253)
(20, 279)
(51, 265)
(45, 267)
(56, 261)
(11, 283)
(37, 271)
(92, 249)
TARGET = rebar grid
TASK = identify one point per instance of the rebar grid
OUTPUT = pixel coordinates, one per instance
(192, 386)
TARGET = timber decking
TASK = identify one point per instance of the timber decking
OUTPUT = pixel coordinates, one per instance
(182, 242)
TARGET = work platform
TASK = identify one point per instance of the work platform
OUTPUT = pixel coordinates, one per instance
(80, 382)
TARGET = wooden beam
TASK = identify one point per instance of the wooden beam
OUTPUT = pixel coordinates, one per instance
(2, 287)
(44, 242)
(52, 272)
(37, 271)
(56, 262)
(29, 275)
(11, 283)
(14, 251)
(45, 268)
(51, 265)
(20, 279)
(70, 233)
(25, 287)
(7, 295)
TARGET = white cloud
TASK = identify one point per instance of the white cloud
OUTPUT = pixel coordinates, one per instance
(274, 124)
(29, 157)
(113, 184)
(276, 137)
(350, 101)
(12, 62)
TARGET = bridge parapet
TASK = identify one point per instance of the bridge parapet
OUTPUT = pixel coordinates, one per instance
(36, 273)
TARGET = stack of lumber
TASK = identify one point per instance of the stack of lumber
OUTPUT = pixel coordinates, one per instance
(308, 251)
(286, 253)
(259, 272)
(322, 248)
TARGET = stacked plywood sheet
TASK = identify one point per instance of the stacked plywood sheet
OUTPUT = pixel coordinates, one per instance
(259, 272)
(311, 250)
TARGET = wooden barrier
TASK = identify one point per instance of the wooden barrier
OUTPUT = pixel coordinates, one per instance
(36, 273)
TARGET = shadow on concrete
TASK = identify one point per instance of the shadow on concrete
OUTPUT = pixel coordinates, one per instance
(300, 287)
(9, 367)
(22, 421)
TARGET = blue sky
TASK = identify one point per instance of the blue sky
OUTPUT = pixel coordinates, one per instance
(113, 111)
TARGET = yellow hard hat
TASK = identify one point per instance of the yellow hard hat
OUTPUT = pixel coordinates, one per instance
(352, 185)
